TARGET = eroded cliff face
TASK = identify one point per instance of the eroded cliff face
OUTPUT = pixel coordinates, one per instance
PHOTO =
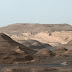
(54, 38)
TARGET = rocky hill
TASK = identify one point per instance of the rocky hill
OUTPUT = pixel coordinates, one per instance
(11, 51)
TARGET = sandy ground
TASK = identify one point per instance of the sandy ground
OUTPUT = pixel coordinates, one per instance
(34, 68)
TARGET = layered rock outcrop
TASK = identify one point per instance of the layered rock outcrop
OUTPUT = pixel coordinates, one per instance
(11, 51)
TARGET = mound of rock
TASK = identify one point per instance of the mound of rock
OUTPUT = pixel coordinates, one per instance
(11, 51)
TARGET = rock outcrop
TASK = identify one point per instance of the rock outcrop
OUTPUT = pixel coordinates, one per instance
(45, 52)
(11, 51)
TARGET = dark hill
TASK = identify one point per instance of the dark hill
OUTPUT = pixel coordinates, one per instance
(11, 51)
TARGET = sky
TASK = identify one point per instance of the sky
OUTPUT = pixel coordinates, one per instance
(35, 11)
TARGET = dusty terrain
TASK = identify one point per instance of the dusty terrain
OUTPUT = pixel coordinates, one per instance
(36, 68)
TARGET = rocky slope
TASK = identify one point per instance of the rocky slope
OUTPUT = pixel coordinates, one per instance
(11, 51)
(34, 44)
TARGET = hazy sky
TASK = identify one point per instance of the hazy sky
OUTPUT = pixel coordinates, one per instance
(35, 11)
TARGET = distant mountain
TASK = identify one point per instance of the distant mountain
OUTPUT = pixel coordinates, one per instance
(35, 28)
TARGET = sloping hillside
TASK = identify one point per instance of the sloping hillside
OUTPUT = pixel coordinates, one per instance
(11, 51)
